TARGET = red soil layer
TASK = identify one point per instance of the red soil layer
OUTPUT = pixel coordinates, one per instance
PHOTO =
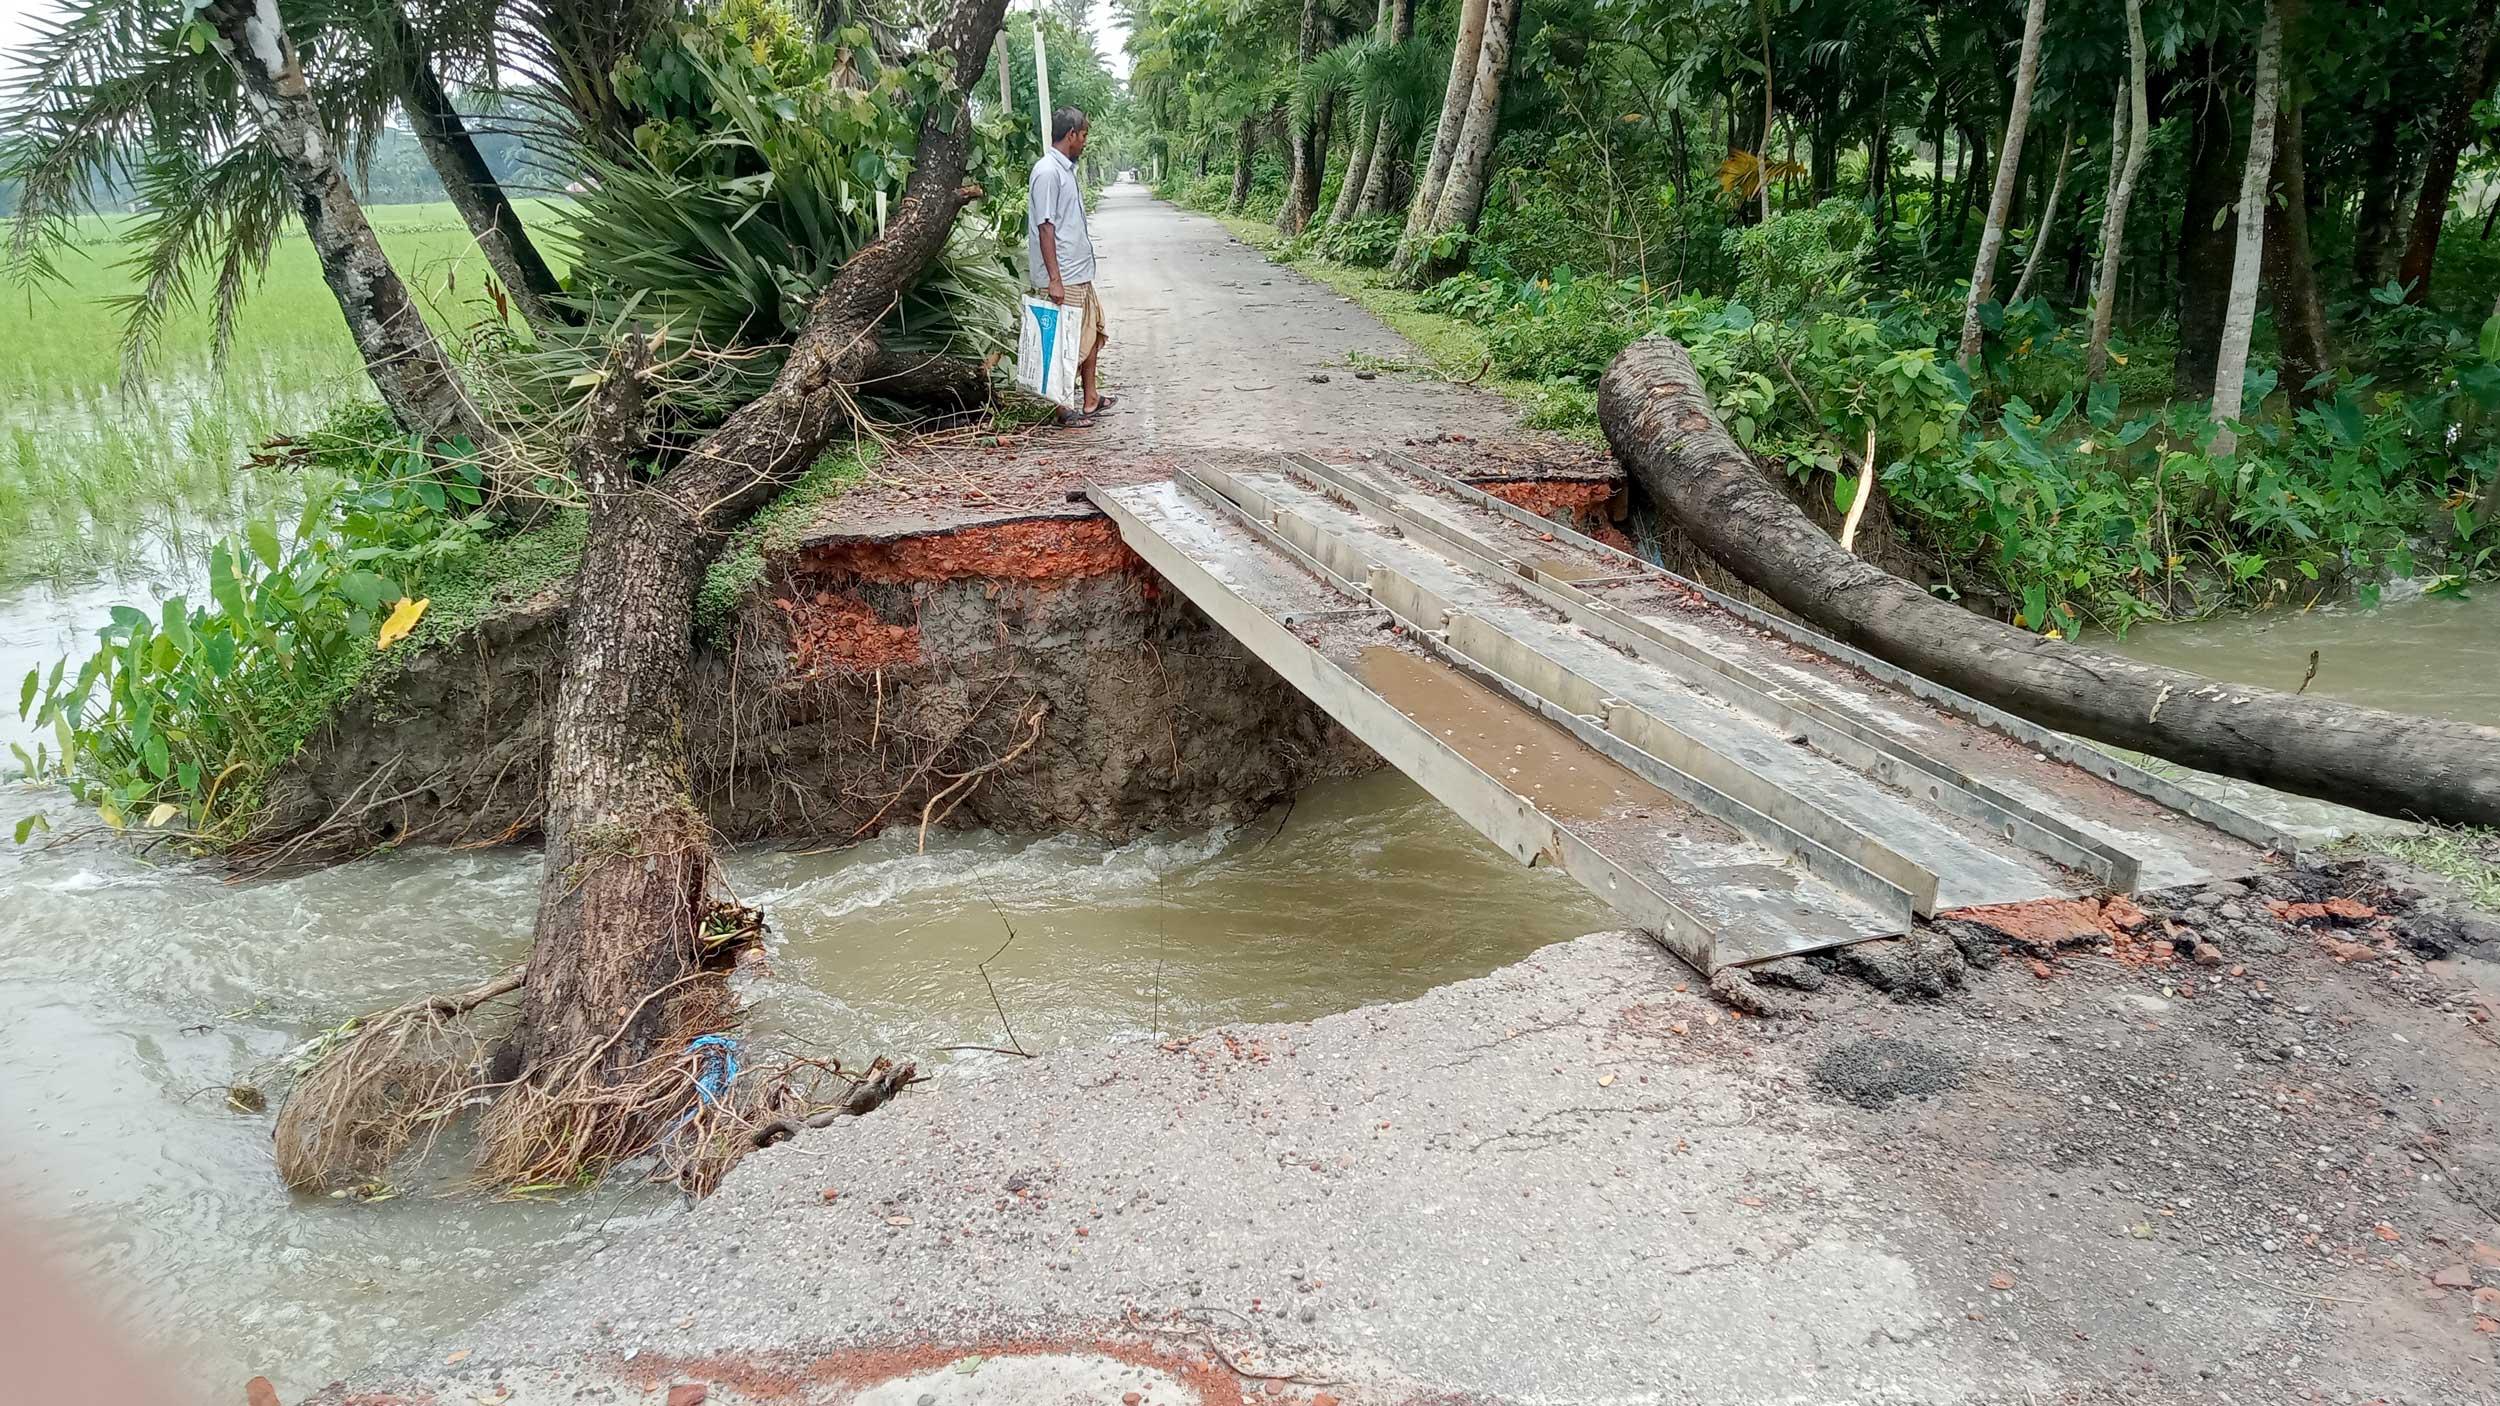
(1036, 549)
(832, 632)
(1577, 501)
(1066, 548)
(1580, 503)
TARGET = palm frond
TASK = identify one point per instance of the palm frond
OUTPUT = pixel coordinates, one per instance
(1330, 74)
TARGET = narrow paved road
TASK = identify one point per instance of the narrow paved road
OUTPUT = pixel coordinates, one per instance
(1213, 345)
(1215, 352)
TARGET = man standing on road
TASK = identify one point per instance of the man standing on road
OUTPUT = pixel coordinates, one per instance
(1059, 254)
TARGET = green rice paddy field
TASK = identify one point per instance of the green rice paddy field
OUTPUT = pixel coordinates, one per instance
(98, 473)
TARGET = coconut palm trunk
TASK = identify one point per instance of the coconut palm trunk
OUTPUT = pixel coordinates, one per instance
(1391, 138)
(2291, 267)
(1308, 139)
(406, 362)
(452, 152)
(1245, 153)
(1466, 49)
(1367, 125)
(2114, 213)
(1471, 165)
(2239, 321)
(1983, 274)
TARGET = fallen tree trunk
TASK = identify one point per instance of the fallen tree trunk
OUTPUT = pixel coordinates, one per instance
(1663, 428)
(927, 382)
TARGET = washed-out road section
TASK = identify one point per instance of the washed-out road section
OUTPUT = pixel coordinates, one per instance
(2107, 1173)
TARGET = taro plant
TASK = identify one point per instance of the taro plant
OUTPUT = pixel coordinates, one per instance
(175, 718)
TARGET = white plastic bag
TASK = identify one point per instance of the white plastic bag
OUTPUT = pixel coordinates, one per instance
(1048, 349)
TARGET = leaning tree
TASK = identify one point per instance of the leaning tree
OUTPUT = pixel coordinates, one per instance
(623, 979)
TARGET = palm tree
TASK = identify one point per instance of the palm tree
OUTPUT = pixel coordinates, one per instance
(136, 89)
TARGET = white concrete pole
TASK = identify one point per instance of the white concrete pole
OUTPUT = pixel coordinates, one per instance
(1041, 73)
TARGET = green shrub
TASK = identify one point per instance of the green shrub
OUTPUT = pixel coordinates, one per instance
(1567, 327)
(1802, 259)
(1364, 243)
(180, 712)
(762, 161)
(1466, 295)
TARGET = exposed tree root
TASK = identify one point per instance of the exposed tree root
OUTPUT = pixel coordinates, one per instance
(376, 1094)
(578, 1116)
(377, 1086)
(884, 1081)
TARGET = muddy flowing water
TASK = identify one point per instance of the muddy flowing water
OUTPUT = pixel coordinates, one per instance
(130, 995)
(2416, 654)
(2413, 653)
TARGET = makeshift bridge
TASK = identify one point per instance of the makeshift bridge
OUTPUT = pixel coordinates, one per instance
(1739, 786)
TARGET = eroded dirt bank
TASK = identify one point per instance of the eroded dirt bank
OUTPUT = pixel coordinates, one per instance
(1007, 666)
(2233, 1144)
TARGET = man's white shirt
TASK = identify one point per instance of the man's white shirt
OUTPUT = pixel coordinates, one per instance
(1053, 198)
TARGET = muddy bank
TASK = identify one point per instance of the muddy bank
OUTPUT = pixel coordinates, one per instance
(2230, 1144)
(1019, 670)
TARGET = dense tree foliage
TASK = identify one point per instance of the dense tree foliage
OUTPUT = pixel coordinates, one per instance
(2038, 297)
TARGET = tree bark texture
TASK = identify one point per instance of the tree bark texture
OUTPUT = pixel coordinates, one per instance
(2207, 241)
(400, 353)
(2048, 216)
(1245, 153)
(1367, 137)
(1389, 141)
(629, 871)
(527, 280)
(1358, 172)
(2291, 268)
(2239, 322)
(1302, 188)
(1983, 274)
(1762, 149)
(2382, 182)
(926, 382)
(1663, 428)
(1471, 166)
(2139, 121)
(1466, 49)
(2448, 142)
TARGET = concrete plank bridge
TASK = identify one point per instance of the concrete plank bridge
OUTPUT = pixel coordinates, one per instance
(1737, 786)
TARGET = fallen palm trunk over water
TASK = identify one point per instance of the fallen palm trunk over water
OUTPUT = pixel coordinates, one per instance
(1665, 431)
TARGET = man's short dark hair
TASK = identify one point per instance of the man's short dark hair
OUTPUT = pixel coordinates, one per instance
(1065, 121)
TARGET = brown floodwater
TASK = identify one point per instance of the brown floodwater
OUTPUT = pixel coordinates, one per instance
(131, 994)
(2427, 655)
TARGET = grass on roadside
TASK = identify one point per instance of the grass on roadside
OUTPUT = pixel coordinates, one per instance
(2466, 857)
